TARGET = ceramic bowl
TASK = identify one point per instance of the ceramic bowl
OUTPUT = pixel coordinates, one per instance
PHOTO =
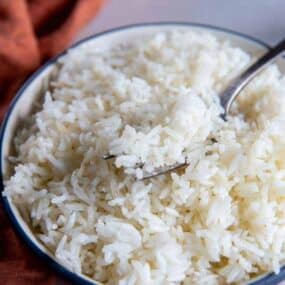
(33, 89)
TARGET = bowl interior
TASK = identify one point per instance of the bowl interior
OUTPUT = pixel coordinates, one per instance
(34, 88)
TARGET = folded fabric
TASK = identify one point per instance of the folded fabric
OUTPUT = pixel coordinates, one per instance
(31, 31)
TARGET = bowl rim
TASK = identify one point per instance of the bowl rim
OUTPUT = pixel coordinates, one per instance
(269, 278)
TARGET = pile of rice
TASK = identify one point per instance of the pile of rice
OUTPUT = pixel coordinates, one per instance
(153, 102)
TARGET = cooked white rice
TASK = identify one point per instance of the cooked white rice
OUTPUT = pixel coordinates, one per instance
(155, 101)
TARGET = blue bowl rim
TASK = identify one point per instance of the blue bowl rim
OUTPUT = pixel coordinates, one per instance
(270, 278)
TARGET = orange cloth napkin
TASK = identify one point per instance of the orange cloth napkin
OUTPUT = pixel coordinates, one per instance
(31, 31)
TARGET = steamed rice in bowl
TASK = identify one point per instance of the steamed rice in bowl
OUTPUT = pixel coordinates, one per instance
(155, 101)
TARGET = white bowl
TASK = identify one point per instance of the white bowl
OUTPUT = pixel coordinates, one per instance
(31, 91)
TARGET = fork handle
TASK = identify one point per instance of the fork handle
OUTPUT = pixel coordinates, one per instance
(230, 93)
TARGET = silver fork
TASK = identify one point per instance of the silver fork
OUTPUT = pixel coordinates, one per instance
(227, 98)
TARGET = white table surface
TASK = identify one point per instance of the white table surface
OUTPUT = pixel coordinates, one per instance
(263, 19)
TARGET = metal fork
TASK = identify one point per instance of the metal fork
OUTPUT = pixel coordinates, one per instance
(227, 98)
